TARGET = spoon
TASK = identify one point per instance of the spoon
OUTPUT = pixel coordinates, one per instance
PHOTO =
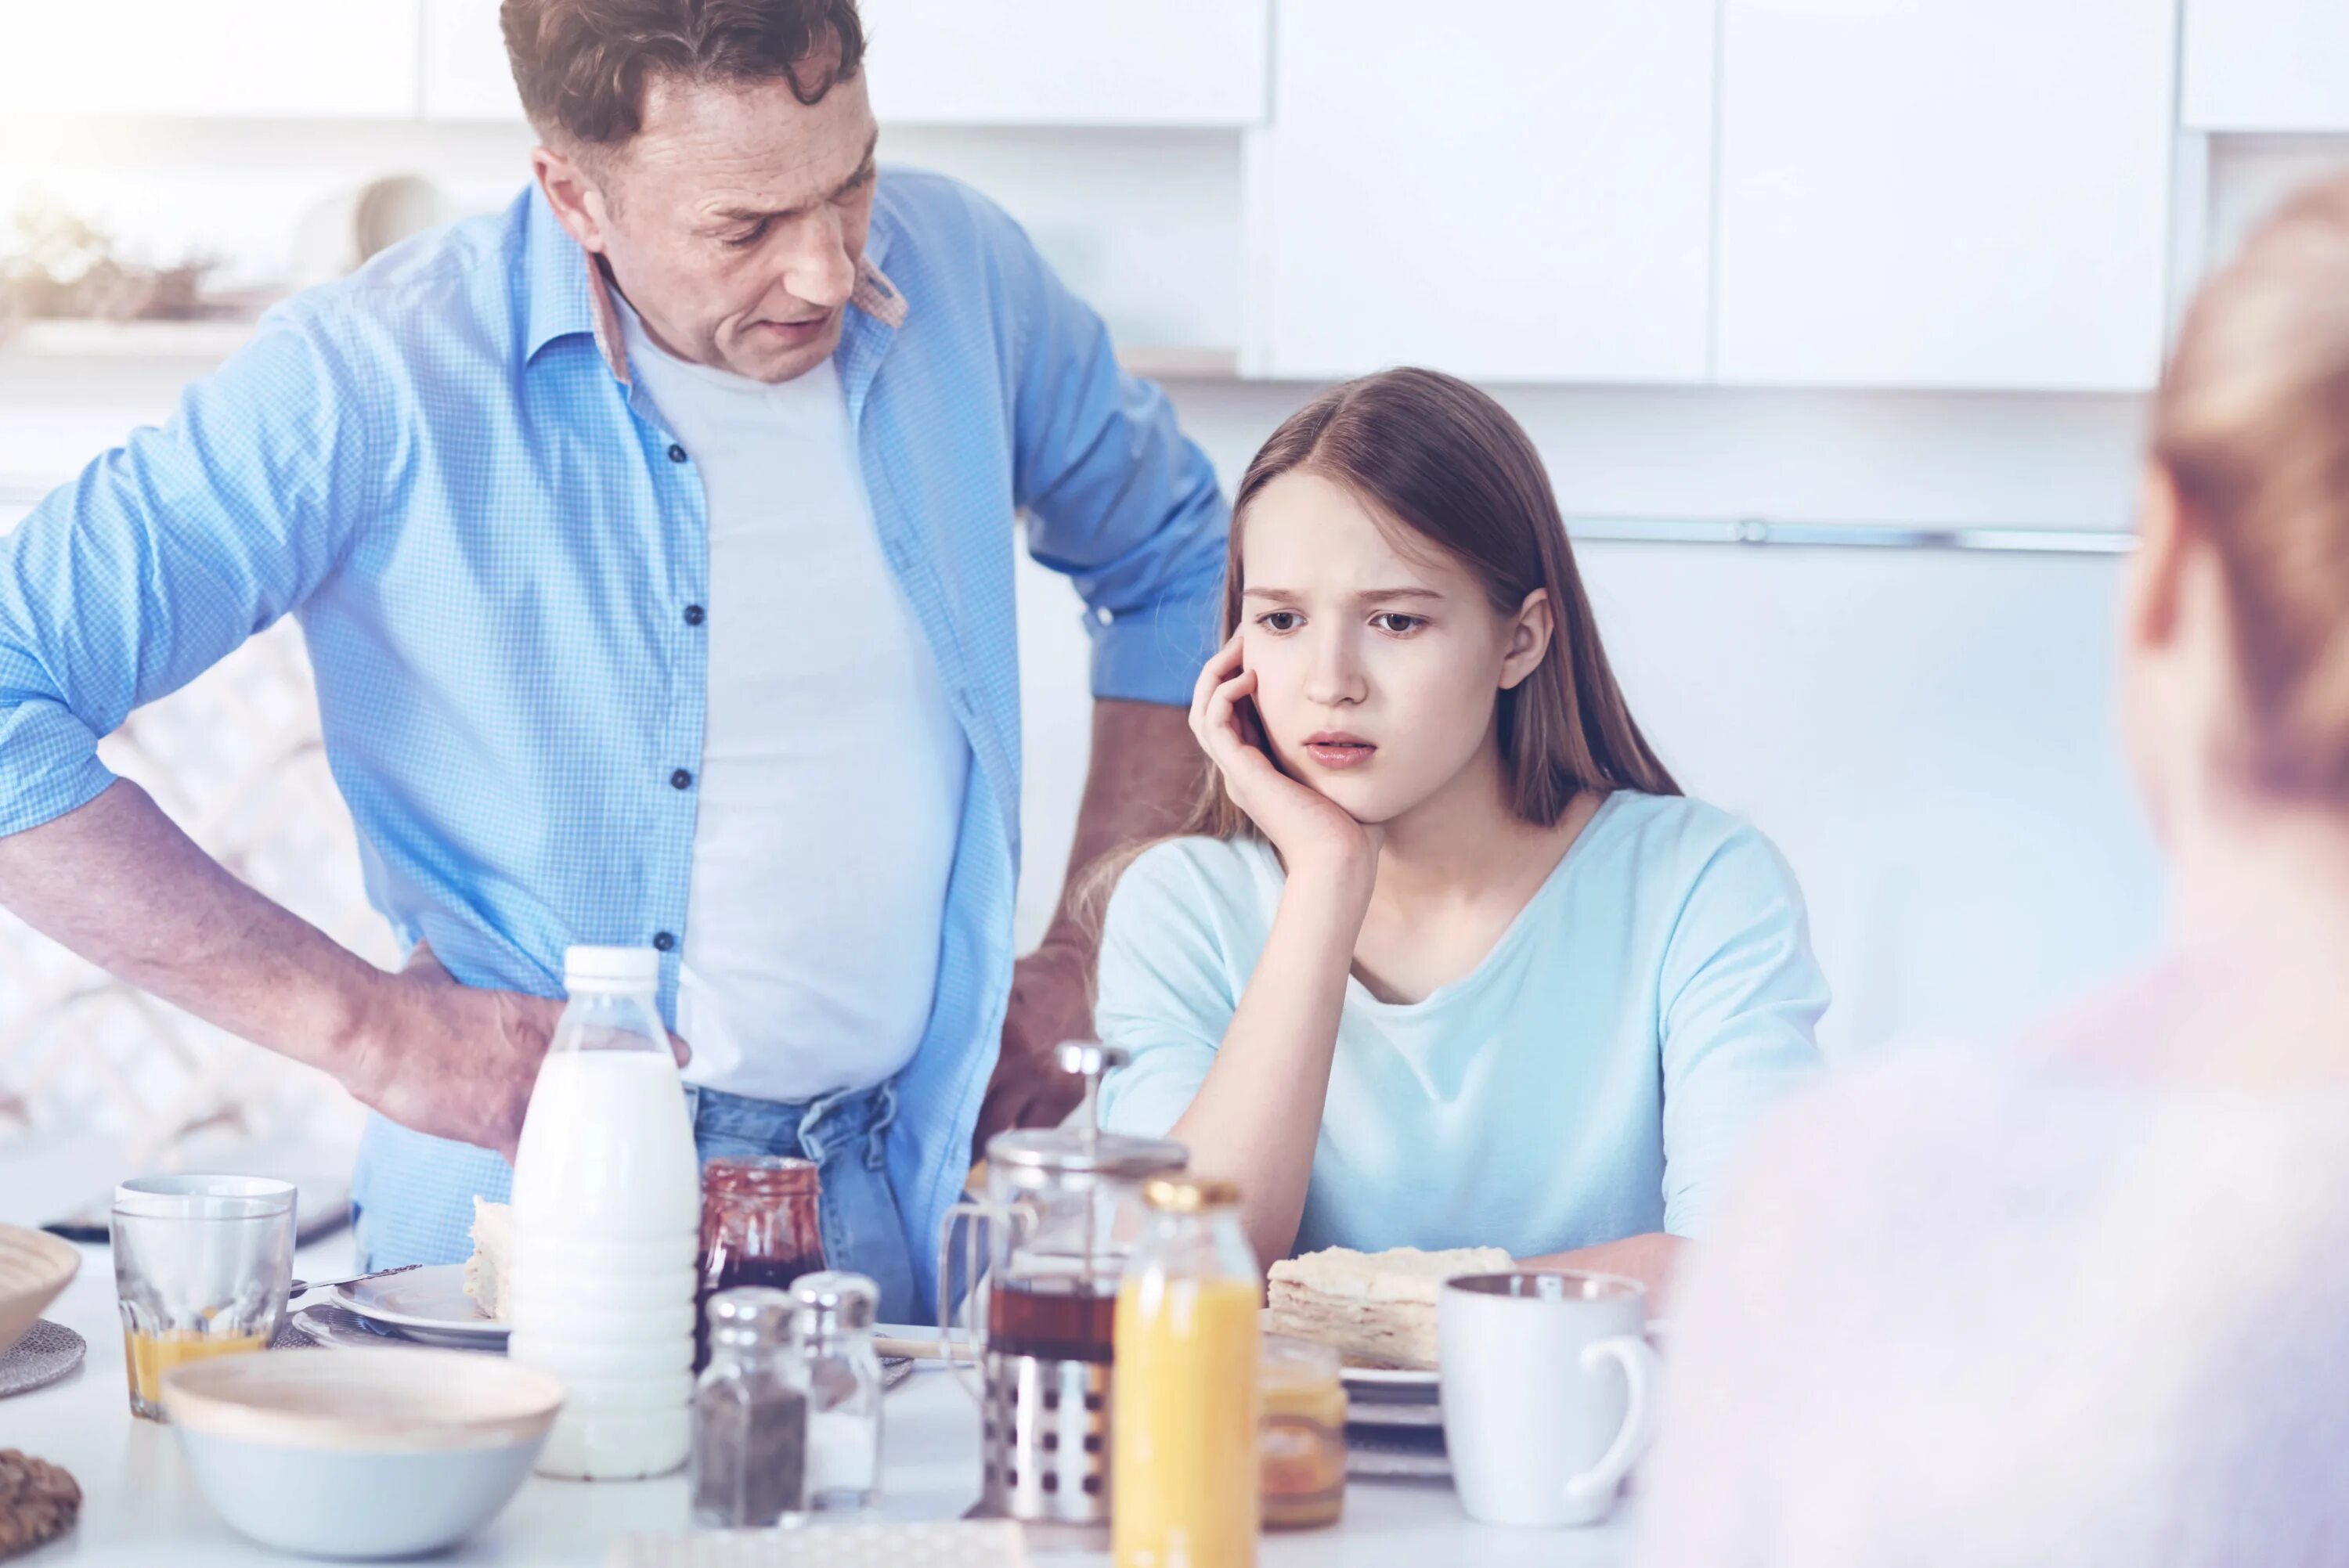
(301, 1285)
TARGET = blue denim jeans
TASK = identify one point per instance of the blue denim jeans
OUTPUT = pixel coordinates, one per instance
(846, 1135)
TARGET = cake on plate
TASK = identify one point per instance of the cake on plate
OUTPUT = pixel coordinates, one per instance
(485, 1271)
(1374, 1307)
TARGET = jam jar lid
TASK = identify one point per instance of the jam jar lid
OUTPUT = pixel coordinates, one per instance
(1063, 1150)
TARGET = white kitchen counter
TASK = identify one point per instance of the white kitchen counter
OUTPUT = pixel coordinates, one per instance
(140, 1508)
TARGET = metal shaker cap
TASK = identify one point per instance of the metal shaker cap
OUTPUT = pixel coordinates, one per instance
(826, 1303)
(748, 1314)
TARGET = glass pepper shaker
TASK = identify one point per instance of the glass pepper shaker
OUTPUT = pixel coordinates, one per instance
(835, 1365)
(750, 1416)
(759, 1225)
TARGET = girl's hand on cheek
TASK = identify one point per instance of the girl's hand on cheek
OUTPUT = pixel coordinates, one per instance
(1315, 835)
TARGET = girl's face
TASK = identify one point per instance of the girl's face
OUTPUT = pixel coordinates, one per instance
(1378, 669)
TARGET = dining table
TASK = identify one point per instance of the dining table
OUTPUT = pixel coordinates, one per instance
(140, 1508)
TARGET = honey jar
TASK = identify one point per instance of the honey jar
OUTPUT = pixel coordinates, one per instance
(1301, 1434)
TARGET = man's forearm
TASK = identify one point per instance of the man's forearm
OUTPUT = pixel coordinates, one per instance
(117, 881)
(1144, 778)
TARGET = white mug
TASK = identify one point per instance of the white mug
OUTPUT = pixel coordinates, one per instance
(1549, 1392)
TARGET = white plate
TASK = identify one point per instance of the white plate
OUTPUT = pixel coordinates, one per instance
(1390, 1381)
(427, 1305)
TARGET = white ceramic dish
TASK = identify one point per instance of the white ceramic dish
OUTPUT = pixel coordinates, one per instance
(34, 1267)
(333, 1328)
(1390, 1380)
(427, 1305)
(362, 1454)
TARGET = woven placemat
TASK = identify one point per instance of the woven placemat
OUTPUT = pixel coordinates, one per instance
(48, 1353)
(292, 1335)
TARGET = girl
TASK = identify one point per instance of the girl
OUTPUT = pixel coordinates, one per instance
(1447, 959)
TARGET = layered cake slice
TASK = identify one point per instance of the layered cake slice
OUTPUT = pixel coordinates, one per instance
(1373, 1306)
(485, 1271)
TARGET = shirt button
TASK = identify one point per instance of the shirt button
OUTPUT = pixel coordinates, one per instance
(681, 779)
(676, 453)
(695, 615)
(664, 940)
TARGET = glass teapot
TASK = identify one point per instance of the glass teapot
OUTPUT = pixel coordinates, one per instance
(1062, 1209)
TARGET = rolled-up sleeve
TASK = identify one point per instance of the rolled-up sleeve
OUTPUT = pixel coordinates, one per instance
(1742, 1000)
(1117, 497)
(164, 555)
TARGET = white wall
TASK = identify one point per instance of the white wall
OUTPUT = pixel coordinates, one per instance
(1925, 734)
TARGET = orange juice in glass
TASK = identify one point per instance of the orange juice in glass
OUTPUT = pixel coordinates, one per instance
(1183, 1437)
(201, 1265)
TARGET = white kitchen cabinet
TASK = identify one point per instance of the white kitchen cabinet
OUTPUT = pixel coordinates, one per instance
(1944, 193)
(1510, 190)
(231, 58)
(465, 72)
(2267, 65)
(1068, 62)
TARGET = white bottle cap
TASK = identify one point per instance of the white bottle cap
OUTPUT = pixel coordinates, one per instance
(610, 968)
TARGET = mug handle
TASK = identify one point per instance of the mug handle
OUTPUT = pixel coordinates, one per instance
(1640, 1367)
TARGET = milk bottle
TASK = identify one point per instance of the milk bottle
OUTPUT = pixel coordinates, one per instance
(606, 1217)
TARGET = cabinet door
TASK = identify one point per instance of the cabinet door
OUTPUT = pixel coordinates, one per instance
(465, 72)
(1068, 62)
(1954, 193)
(1512, 190)
(231, 58)
(2267, 65)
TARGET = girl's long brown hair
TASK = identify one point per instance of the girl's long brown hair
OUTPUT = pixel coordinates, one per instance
(1432, 454)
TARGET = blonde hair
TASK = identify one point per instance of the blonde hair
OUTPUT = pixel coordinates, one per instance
(2251, 426)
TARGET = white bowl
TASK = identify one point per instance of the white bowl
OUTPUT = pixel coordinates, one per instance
(360, 1453)
(34, 1267)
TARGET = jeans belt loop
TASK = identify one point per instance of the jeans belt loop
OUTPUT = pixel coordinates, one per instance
(876, 1135)
(811, 1120)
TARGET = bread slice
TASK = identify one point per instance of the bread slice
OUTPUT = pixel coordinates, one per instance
(485, 1271)
(1377, 1307)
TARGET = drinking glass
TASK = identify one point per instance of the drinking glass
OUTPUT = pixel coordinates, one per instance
(201, 1265)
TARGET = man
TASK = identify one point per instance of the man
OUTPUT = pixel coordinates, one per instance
(652, 543)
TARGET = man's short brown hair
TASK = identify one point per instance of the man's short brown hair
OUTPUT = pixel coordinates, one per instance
(583, 64)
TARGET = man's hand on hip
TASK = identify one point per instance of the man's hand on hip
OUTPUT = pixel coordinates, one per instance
(456, 1061)
(451, 1060)
(1052, 1001)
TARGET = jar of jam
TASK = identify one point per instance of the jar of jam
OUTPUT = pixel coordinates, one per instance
(760, 1226)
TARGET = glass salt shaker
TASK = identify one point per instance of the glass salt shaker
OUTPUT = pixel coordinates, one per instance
(835, 1365)
(750, 1416)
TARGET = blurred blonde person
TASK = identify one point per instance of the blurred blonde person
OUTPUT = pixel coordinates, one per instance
(2085, 1300)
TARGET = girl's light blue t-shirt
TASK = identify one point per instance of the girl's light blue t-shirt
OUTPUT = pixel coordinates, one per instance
(1592, 1080)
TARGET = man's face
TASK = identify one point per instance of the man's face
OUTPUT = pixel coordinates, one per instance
(734, 221)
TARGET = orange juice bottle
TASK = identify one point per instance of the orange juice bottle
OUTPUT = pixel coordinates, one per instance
(1183, 1430)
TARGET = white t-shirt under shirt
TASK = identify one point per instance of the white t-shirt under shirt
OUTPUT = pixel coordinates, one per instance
(832, 768)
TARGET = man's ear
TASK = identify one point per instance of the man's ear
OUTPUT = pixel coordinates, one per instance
(579, 203)
(2152, 596)
(1528, 639)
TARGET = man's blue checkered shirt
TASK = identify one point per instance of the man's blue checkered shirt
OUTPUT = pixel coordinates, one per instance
(441, 469)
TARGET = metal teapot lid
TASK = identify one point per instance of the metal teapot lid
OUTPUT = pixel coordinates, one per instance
(1082, 1149)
